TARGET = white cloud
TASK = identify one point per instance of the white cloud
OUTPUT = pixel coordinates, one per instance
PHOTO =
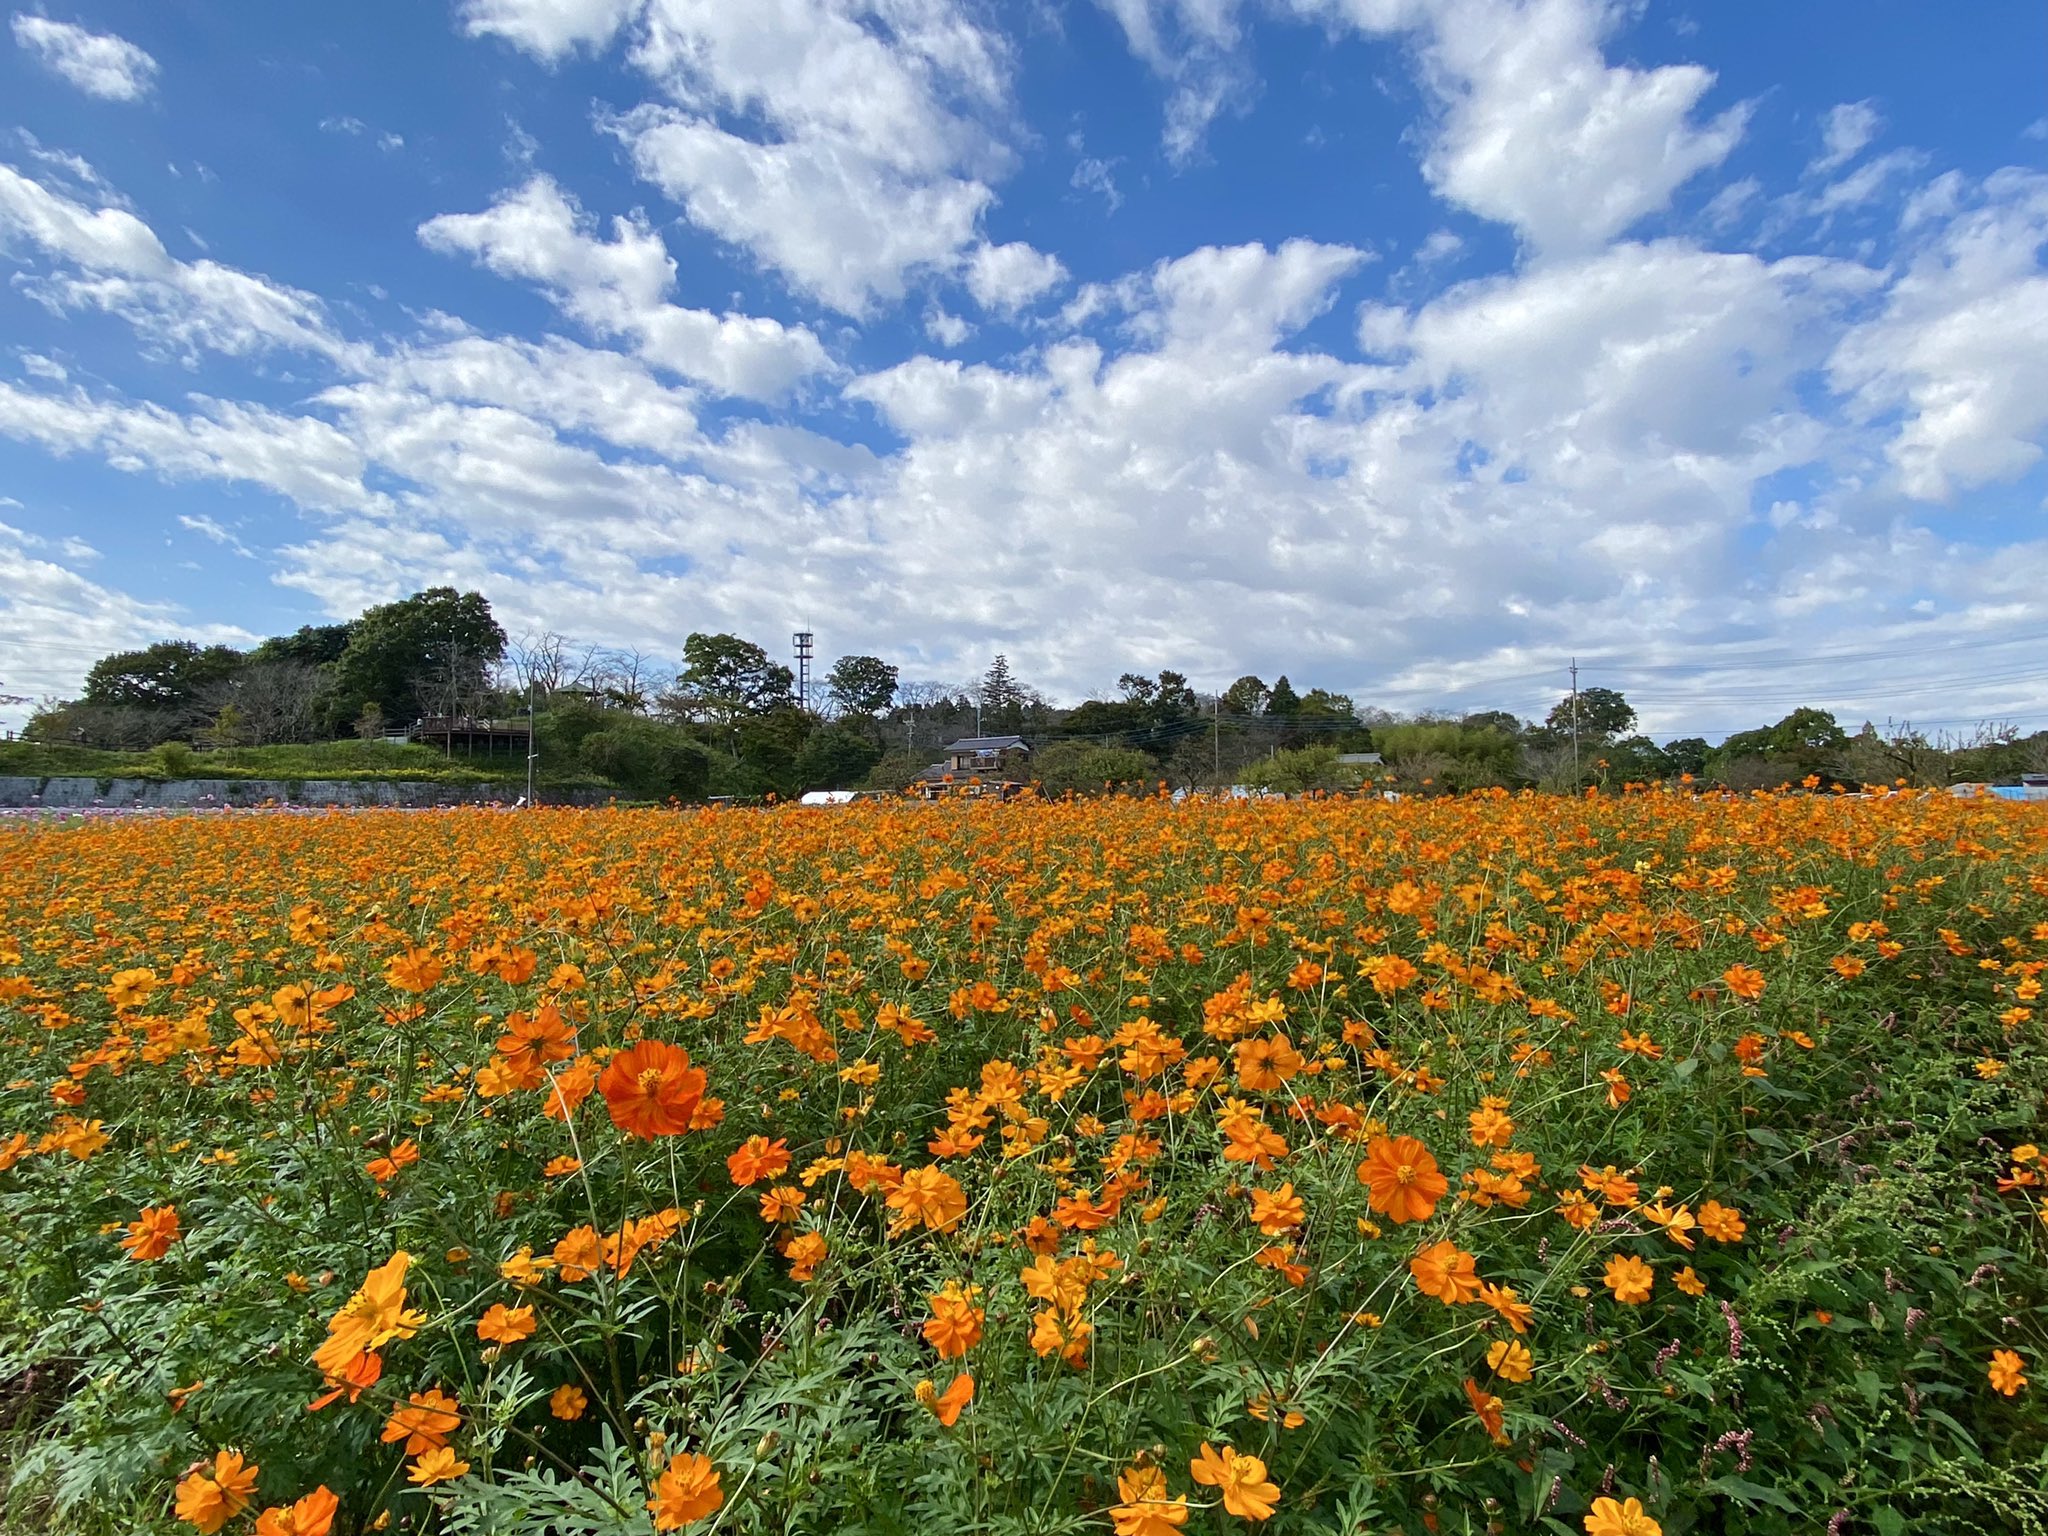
(947, 330)
(848, 146)
(207, 528)
(1006, 278)
(549, 29)
(299, 457)
(99, 64)
(1092, 175)
(1541, 133)
(1867, 182)
(1535, 128)
(1194, 45)
(847, 230)
(54, 623)
(1961, 348)
(1845, 131)
(109, 259)
(619, 287)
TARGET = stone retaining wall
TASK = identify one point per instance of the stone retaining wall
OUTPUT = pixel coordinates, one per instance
(68, 793)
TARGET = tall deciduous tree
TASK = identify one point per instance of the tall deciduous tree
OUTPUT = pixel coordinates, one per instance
(402, 656)
(861, 685)
(1602, 715)
(725, 680)
(168, 676)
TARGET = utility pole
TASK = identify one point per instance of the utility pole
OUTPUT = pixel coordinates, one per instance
(1575, 720)
(1216, 737)
(532, 742)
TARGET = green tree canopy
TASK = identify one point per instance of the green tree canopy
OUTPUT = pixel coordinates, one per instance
(1084, 768)
(314, 645)
(1602, 715)
(433, 649)
(726, 679)
(168, 676)
(835, 757)
(861, 685)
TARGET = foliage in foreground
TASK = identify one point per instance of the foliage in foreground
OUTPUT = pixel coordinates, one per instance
(1458, 1166)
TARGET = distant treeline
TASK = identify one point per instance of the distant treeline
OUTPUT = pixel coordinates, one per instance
(731, 721)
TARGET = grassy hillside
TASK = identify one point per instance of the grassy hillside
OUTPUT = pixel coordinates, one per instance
(352, 760)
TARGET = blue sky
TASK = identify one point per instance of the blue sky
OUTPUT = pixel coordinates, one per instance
(1408, 347)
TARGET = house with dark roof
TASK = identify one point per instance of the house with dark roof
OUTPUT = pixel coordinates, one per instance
(976, 766)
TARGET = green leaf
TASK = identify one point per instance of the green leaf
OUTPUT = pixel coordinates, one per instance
(1750, 1494)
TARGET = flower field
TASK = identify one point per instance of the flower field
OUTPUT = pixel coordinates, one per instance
(1618, 1165)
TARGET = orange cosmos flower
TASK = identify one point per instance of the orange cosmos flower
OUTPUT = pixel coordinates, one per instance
(1240, 1479)
(567, 1401)
(1488, 1408)
(1491, 1126)
(1277, 1211)
(955, 1324)
(312, 1515)
(424, 1423)
(209, 1497)
(1509, 1359)
(506, 1325)
(1402, 1178)
(758, 1158)
(929, 1195)
(1513, 1311)
(1629, 1278)
(947, 1405)
(652, 1090)
(805, 1253)
(1723, 1223)
(370, 1319)
(1689, 1282)
(782, 1204)
(1447, 1272)
(2006, 1371)
(150, 1235)
(688, 1490)
(1144, 1506)
(1623, 1519)
(130, 989)
(1745, 981)
(417, 970)
(440, 1465)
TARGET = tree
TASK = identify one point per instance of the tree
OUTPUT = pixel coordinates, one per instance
(1687, 754)
(1002, 700)
(312, 645)
(726, 679)
(645, 757)
(167, 677)
(836, 757)
(274, 700)
(369, 725)
(861, 685)
(1085, 768)
(1246, 696)
(1809, 735)
(225, 730)
(1451, 755)
(1493, 720)
(401, 655)
(547, 662)
(1283, 700)
(1307, 768)
(1601, 715)
(626, 677)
